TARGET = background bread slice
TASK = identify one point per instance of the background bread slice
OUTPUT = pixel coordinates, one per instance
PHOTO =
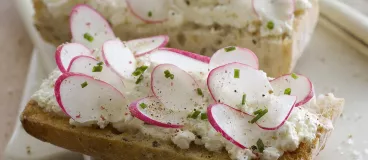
(277, 54)
(109, 144)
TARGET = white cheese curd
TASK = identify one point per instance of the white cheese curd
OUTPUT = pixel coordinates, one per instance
(183, 139)
(271, 153)
(234, 13)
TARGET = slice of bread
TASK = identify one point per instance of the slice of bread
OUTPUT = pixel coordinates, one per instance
(109, 144)
(277, 54)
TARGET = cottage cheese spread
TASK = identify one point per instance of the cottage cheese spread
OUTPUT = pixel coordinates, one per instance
(234, 13)
(301, 126)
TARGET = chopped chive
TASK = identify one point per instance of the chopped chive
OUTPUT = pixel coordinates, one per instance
(143, 105)
(168, 74)
(138, 71)
(270, 91)
(287, 91)
(100, 63)
(253, 148)
(257, 112)
(195, 114)
(236, 73)
(294, 76)
(97, 68)
(88, 37)
(140, 78)
(259, 115)
(244, 99)
(204, 116)
(229, 49)
(84, 84)
(150, 14)
(270, 25)
(199, 92)
(260, 145)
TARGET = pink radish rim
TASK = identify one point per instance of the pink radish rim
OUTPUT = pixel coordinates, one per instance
(163, 44)
(136, 113)
(291, 14)
(310, 94)
(283, 122)
(75, 10)
(75, 58)
(64, 76)
(214, 124)
(192, 55)
(213, 70)
(154, 69)
(58, 54)
(140, 18)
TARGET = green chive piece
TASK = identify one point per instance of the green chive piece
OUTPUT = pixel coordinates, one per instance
(257, 112)
(229, 49)
(260, 145)
(204, 116)
(168, 74)
(140, 78)
(195, 114)
(100, 63)
(84, 84)
(199, 92)
(97, 68)
(244, 99)
(259, 115)
(294, 76)
(88, 37)
(253, 148)
(138, 71)
(270, 25)
(287, 91)
(150, 14)
(236, 73)
(143, 105)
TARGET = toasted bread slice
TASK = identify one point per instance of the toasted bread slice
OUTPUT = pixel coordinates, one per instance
(109, 144)
(277, 54)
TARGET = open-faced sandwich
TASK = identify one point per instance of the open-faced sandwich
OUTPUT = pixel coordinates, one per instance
(276, 30)
(114, 99)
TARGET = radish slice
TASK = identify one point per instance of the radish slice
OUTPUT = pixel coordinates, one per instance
(227, 89)
(85, 65)
(86, 99)
(187, 61)
(178, 92)
(233, 125)
(152, 111)
(119, 57)
(274, 9)
(300, 86)
(89, 27)
(156, 11)
(233, 54)
(66, 52)
(145, 45)
(279, 109)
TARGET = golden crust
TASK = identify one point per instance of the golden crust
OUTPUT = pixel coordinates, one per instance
(109, 144)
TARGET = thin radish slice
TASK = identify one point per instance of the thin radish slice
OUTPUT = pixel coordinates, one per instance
(89, 27)
(300, 86)
(233, 54)
(233, 125)
(86, 65)
(274, 9)
(279, 109)
(225, 88)
(86, 99)
(145, 45)
(156, 12)
(118, 56)
(66, 52)
(152, 111)
(175, 88)
(187, 61)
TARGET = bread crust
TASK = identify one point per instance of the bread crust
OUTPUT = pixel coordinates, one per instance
(109, 144)
(277, 54)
